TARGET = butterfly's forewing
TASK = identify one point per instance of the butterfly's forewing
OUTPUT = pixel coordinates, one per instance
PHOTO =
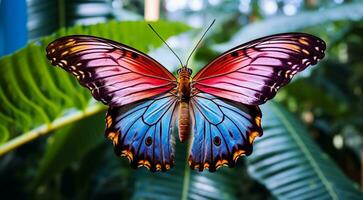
(223, 130)
(142, 131)
(135, 86)
(115, 73)
(253, 72)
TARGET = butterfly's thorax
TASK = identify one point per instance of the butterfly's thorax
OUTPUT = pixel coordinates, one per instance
(184, 85)
(184, 96)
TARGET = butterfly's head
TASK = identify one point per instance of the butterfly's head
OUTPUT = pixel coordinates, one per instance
(185, 70)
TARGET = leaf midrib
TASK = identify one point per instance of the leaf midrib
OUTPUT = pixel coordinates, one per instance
(306, 151)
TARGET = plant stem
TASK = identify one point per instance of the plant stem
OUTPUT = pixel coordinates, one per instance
(186, 180)
(46, 128)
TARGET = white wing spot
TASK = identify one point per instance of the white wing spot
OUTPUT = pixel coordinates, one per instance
(287, 73)
(82, 74)
(91, 85)
(273, 87)
(64, 62)
(96, 89)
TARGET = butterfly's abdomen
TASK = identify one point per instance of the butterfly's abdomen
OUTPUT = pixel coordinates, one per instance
(184, 121)
(184, 95)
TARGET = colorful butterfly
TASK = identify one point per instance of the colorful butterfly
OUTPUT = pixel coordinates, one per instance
(219, 105)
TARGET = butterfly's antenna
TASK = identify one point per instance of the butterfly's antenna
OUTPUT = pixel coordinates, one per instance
(200, 40)
(166, 44)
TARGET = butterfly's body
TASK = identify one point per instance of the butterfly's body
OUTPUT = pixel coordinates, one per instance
(218, 106)
(183, 94)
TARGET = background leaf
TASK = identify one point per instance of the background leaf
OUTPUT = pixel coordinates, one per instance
(291, 165)
(35, 93)
(280, 24)
(69, 144)
(46, 17)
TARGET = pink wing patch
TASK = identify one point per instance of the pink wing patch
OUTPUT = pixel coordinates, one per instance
(115, 73)
(253, 72)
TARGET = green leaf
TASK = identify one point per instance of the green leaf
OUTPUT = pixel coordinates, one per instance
(69, 144)
(291, 165)
(35, 95)
(280, 24)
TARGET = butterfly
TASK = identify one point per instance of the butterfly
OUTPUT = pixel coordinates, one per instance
(217, 109)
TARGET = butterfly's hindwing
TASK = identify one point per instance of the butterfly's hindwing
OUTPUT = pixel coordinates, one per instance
(223, 130)
(115, 73)
(143, 132)
(253, 72)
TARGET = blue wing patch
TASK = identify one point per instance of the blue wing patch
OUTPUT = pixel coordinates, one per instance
(223, 130)
(142, 132)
